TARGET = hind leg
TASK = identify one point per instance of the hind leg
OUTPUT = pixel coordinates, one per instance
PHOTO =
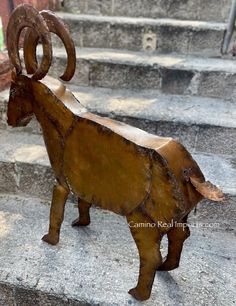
(84, 217)
(147, 240)
(176, 237)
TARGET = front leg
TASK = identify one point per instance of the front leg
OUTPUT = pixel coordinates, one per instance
(176, 237)
(147, 240)
(84, 217)
(59, 197)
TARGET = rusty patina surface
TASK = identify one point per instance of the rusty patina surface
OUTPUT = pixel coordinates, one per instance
(148, 179)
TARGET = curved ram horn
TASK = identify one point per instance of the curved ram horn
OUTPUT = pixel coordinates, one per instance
(27, 16)
(55, 25)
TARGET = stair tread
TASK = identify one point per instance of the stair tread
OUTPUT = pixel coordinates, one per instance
(156, 106)
(170, 61)
(172, 73)
(194, 24)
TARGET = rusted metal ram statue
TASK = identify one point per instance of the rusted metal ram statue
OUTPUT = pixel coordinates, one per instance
(146, 178)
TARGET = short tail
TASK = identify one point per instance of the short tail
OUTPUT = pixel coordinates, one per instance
(207, 190)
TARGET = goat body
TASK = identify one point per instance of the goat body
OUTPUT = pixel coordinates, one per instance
(115, 166)
(148, 179)
(111, 164)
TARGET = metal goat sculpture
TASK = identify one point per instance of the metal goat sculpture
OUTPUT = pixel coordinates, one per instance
(148, 179)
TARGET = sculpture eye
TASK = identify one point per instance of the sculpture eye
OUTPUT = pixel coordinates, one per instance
(187, 171)
(186, 174)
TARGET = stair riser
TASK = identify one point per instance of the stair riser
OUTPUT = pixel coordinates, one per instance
(21, 178)
(170, 80)
(183, 9)
(163, 38)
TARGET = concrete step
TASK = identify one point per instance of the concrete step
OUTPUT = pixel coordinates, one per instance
(25, 168)
(172, 74)
(203, 125)
(181, 9)
(81, 271)
(155, 106)
(136, 34)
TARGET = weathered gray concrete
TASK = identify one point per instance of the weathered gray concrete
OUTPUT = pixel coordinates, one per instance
(25, 169)
(24, 165)
(216, 10)
(97, 265)
(168, 35)
(202, 124)
(155, 106)
(172, 74)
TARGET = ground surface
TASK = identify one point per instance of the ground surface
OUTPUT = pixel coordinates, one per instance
(98, 264)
